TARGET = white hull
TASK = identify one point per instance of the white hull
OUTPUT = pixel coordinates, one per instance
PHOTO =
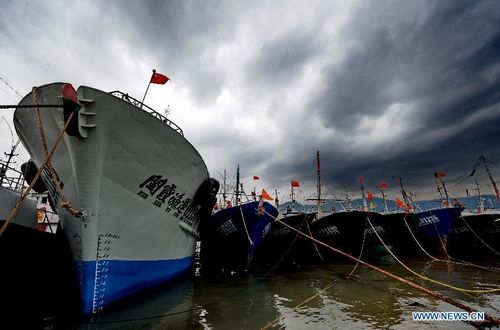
(27, 213)
(109, 174)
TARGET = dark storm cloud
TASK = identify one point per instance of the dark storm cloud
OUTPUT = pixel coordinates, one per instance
(182, 37)
(282, 59)
(436, 59)
(440, 59)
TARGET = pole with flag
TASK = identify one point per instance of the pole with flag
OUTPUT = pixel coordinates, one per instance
(361, 183)
(254, 193)
(156, 78)
(293, 184)
(381, 187)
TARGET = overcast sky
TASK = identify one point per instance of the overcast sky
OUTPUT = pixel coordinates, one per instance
(381, 88)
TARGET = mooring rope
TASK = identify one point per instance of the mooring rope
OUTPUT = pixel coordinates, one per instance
(427, 278)
(314, 243)
(435, 294)
(451, 259)
(64, 202)
(443, 244)
(245, 225)
(360, 252)
(289, 247)
(482, 241)
(16, 209)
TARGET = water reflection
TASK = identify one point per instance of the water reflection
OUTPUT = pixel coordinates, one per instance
(367, 300)
(165, 307)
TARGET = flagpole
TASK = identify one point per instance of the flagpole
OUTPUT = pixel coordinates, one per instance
(147, 88)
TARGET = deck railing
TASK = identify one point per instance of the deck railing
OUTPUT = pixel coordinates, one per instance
(147, 109)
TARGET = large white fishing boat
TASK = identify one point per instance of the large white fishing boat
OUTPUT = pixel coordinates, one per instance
(128, 187)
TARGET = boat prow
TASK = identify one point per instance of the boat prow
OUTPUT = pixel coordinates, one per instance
(131, 176)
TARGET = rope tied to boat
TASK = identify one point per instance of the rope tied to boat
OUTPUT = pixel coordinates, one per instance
(361, 250)
(425, 277)
(47, 158)
(435, 294)
(314, 243)
(475, 234)
(64, 201)
(245, 226)
(451, 259)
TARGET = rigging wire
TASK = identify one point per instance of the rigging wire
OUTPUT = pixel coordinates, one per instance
(12, 88)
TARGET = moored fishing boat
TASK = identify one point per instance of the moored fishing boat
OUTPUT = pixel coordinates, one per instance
(433, 228)
(476, 235)
(29, 257)
(233, 233)
(344, 230)
(10, 193)
(348, 229)
(430, 228)
(129, 189)
(286, 247)
(477, 232)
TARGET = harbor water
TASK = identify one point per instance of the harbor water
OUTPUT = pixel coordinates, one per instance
(313, 297)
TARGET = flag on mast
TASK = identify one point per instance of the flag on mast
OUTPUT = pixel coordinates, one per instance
(266, 196)
(400, 203)
(383, 185)
(156, 78)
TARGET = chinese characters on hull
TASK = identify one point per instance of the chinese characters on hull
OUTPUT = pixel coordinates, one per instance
(168, 199)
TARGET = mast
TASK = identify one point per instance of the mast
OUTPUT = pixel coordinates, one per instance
(318, 183)
(497, 192)
(276, 201)
(293, 200)
(237, 191)
(365, 205)
(348, 199)
(386, 209)
(224, 195)
(447, 200)
(438, 188)
(480, 199)
(3, 171)
(403, 192)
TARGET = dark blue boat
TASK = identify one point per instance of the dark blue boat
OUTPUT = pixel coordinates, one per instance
(433, 228)
(232, 234)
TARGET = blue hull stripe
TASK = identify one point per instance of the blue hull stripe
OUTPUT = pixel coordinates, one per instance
(118, 279)
(440, 219)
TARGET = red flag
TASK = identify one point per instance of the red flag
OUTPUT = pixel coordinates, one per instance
(158, 78)
(295, 183)
(255, 177)
(361, 179)
(265, 195)
(439, 174)
(370, 196)
(383, 185)
(400, 203)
